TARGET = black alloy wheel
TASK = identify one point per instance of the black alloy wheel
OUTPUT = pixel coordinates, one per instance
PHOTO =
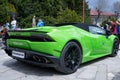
(70, 58)
(115, 48)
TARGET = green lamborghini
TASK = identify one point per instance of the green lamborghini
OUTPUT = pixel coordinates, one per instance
(62, 46)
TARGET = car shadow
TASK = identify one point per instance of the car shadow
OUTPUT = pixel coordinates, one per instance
(94, 61)
(30, 69)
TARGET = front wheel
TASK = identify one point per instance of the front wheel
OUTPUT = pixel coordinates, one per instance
(115, 48)
(70, 58)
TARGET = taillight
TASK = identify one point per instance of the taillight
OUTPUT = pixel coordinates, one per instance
(34, 37)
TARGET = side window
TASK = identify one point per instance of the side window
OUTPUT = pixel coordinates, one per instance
(96, 30)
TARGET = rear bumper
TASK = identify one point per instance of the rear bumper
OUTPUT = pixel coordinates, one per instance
(34, 57)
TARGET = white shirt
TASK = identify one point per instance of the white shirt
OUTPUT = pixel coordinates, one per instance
(13, 23)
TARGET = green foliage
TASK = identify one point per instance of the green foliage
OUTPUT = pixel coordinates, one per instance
(112, 19)
(68, 16)
(25, 23)
(104, 22)
(51, 11)
(5, 10)
(49, 20)
(109, 19)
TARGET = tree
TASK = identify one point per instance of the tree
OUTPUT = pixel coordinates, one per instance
(68, 16)
(5, 11)
(51, 11)
(100, 6)
(116, 8)
(87, 13)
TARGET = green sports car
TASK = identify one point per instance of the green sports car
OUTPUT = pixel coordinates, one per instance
(62, 46)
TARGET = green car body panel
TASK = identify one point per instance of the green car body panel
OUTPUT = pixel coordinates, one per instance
(93, 46)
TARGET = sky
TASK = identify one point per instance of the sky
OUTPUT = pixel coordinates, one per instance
(110, 3)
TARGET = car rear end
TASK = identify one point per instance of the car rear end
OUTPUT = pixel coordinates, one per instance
(33, 46)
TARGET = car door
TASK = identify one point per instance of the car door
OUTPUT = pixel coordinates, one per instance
(100, 42)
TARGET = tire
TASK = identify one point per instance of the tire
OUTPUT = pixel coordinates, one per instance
(115, 48)
(70, 59)
(9, 52)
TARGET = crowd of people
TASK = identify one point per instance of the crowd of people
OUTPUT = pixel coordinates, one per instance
(39, 24)
(7, 25)
(113, 26)
(4, 28)
(13, 24)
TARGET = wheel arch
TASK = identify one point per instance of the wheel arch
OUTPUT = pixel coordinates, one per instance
(61, 67)
(117, 39)
(113, 54)
(76, 41)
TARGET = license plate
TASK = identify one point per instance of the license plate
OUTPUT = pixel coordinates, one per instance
(18, 54)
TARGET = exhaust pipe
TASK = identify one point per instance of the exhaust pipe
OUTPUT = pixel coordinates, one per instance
(41, 59)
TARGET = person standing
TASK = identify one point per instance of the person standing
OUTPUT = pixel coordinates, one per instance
(118, 28)
(113, 27)
(40, 23)
(13, 24)
(7, 25)
(34, 22)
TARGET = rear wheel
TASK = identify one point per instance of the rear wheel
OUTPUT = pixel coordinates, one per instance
(115, 48)
(70, 58)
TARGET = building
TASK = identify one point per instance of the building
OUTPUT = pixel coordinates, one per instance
(103, 16)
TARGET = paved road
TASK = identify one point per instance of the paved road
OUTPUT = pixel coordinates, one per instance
(106, 68)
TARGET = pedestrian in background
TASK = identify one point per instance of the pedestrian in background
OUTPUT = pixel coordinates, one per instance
(118, 28)
(7, 25)
(108, 26)
(1, 27)
(13, 24)
(40, 23)
(34, 22)
(113, 27)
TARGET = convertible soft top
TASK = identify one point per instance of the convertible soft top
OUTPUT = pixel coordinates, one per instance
(79, 25)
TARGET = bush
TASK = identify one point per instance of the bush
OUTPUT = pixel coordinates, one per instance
(68, 16)
(109, 19)
(26, 22)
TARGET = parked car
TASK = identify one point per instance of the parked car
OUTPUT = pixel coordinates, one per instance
(62, 46)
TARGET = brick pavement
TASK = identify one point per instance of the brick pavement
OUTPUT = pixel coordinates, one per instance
(106, 68)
